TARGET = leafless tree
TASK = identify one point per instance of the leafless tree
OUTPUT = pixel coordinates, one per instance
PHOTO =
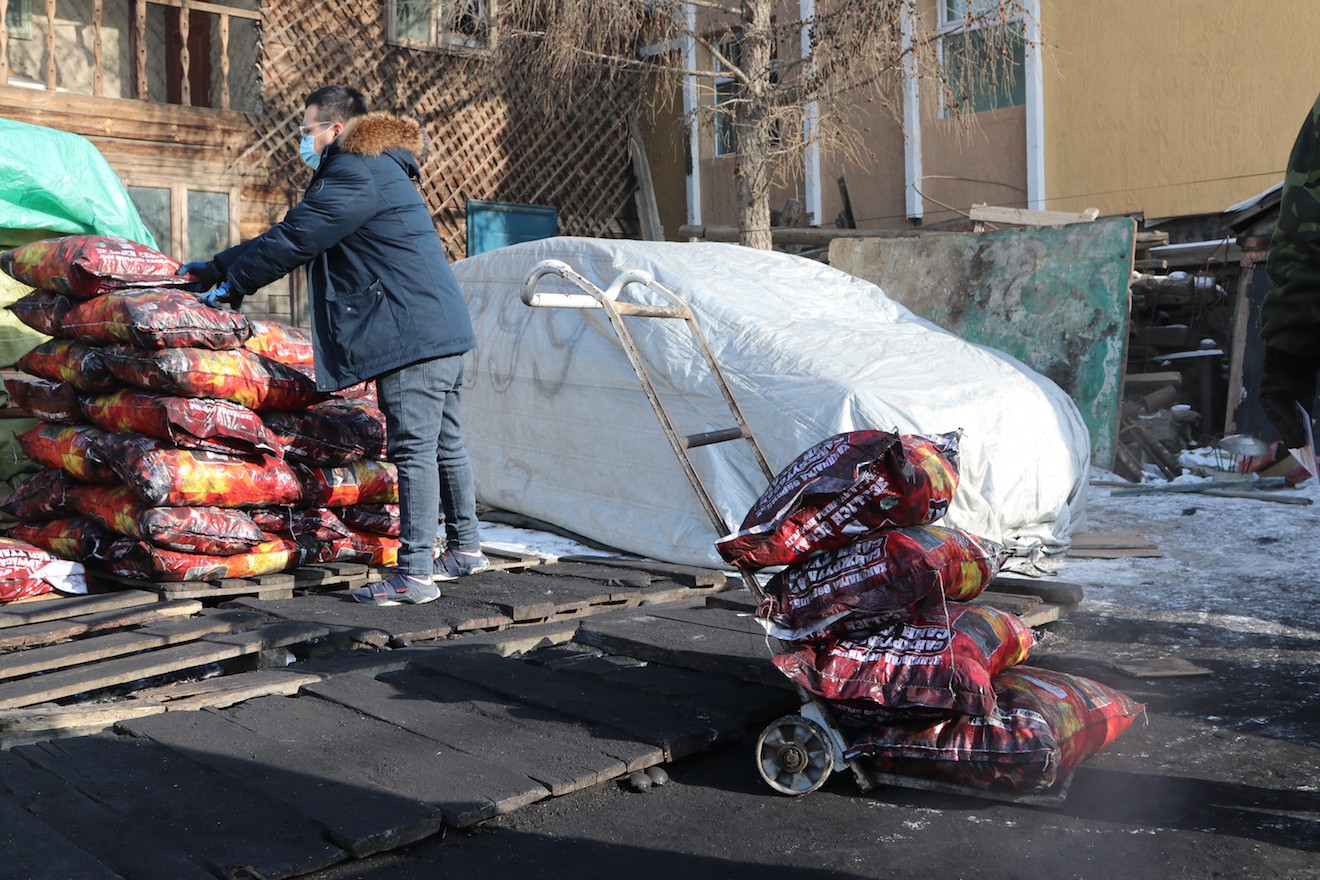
(855, 52)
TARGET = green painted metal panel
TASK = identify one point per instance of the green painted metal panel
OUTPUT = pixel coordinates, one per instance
(1055, 298)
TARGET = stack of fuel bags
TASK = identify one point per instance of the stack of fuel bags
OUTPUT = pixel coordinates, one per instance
(874, 611)
(183, 442)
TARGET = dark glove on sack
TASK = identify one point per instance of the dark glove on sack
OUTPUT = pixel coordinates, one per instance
(222, 294)
(1288, 380)
(207, 273)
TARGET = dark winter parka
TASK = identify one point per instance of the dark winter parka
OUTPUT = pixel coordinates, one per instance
(382, 293)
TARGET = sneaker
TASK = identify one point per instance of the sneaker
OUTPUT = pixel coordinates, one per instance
(453, 564)
(398, 589)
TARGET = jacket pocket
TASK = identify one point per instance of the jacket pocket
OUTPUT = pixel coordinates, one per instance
(364, 325)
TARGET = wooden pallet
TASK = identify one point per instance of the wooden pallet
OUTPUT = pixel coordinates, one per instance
(284, 585)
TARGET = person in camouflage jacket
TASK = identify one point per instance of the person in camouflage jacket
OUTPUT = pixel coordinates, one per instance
(1290, 313)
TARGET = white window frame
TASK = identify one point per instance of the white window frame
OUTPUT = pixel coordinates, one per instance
(729, 48)
(179, 245)
(441, 38)
(952, 27)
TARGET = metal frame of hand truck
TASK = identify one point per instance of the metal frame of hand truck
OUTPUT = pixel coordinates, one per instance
(795, 753)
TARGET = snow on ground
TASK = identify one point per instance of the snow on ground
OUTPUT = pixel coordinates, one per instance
(1252, 565)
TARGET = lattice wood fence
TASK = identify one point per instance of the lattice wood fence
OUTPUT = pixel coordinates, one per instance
(490, 134)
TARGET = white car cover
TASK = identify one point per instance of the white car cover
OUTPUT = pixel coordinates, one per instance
(559, 429)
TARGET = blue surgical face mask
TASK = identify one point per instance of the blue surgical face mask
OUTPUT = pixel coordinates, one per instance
(308, 153)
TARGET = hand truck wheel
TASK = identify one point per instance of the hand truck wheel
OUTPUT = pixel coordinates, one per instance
(793, 755)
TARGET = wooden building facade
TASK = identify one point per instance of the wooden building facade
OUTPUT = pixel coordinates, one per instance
(196, 104)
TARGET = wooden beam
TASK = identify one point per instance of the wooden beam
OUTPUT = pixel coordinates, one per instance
(51, 78)
(96, 46)
(1238, 346)
(140, 47)
(185, 58)
(198, 6)
(815, 236)
(1024, 217)
(4, 42)
(224, 61)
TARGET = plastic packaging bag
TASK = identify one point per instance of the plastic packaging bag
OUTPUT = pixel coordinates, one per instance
(237, 374)
(192, 422)
(281, 342)
(212, 531)
(85, 266)
(47, 400)
(842, 489)
(1047, 724)
(164, 476)
(943, 659)
(68, 447)
(878, 580)
(27, 570)
(68, 360)
(155, 318)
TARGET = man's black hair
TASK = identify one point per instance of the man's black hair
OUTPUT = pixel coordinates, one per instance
(337, 103)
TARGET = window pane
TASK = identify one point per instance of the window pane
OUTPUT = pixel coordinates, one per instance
(153, 204)
(957, 9)
(987, 82)
(208, 224)
(726, 139)
(413, 19)
(18, 16)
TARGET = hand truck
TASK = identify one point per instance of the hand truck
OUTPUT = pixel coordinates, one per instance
(795, 754)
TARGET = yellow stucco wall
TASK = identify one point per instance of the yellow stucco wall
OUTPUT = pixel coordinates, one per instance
(1174, 107)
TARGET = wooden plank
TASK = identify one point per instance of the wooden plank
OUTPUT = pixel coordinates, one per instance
(158, 635)
(1299, 500)
(40, 723)
(1008, 602)
(1072, 280)
(1160, 667)
(678, 731)
(118, 844)
(559, 767)
(59, 630)
(1046, 612)
(529, 596)
(631, 752)
(234, 829)
(273, 585)
(228, 690)
(1026, 217)
(1110, 540)
(120, 670)
(1059, 592)
(70, 606)
(1167, 377)
(1140, 552)
(45, 852)
(454, 612)
(685, 574)
(751, 704)
(462, 784)
(647, 636)
(356, 812)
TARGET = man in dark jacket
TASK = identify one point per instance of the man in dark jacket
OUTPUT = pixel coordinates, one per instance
(385, 306)
(1290, 313)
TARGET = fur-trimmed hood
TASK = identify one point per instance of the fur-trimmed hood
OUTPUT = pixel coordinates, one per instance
(375, 134)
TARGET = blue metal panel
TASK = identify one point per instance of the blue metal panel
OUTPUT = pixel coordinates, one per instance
(492, 225)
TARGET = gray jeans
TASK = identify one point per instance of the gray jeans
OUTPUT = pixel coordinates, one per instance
(420, 403)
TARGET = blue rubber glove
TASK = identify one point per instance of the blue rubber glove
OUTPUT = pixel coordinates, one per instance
(207, 273)
(222, 294)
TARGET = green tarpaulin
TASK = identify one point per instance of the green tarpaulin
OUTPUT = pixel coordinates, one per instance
(55, 183)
